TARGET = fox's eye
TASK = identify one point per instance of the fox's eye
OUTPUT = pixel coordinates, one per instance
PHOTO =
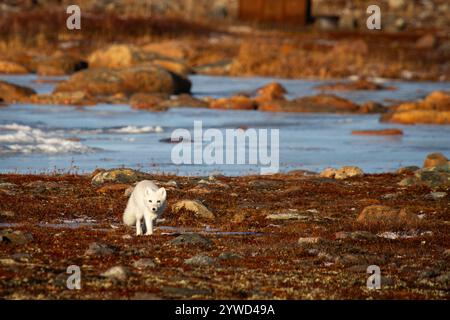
(150, 201)
(159, 201)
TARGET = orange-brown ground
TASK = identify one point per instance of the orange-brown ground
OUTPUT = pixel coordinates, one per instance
(272, 265)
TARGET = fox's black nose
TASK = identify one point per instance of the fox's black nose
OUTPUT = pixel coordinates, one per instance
(154, 209)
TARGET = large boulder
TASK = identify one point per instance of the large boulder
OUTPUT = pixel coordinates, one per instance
(318, 103)
(14, 93)
(434, 109)
(118, 56)
(124, 56)
(433, 177)
(143, 79)
(434, 160)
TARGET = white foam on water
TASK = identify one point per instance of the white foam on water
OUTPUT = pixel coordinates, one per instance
(137, 129)
(25, 139)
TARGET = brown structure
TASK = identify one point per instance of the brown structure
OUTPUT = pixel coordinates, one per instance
(296, 12)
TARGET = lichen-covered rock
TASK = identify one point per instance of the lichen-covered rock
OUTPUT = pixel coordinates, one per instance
(119, 56)
(434, 160)
(124, 175)
(194, 206)
(199, 260)
(348, 172)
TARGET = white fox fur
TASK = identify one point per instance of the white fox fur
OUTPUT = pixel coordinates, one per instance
(147, 202)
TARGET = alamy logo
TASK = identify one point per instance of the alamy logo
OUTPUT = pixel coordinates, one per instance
(73, 22)
(229, 149)
(374, 280)
(374, 20)
(74, 280)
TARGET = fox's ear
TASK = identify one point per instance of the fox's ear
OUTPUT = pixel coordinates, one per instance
(162, 193)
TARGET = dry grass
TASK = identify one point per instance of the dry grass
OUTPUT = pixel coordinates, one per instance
(45, 28)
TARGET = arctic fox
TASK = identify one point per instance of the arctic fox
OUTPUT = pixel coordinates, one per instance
(147, 202)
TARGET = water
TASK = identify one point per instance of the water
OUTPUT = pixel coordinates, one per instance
(43, 138)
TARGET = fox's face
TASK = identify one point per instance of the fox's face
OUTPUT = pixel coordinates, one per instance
(155, 199)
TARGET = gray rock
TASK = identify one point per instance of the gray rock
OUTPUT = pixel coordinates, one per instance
(230, 256)
(390, 196)
(8, 186)
(191, 239)
(117, 273)
(386, 281)
(436, 195)
(355, 235)
(434, 177)
(7, 213)
(287, 216)
(199, 260)
(309, 240)
(144, 263)
(100, 249)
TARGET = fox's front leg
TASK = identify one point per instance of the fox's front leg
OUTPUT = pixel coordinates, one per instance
(148, 225)
(138, 227)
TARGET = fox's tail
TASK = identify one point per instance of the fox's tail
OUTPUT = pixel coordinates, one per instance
(129, 216)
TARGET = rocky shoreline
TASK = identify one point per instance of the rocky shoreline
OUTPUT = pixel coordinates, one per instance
(156, 89)
(298, 235)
